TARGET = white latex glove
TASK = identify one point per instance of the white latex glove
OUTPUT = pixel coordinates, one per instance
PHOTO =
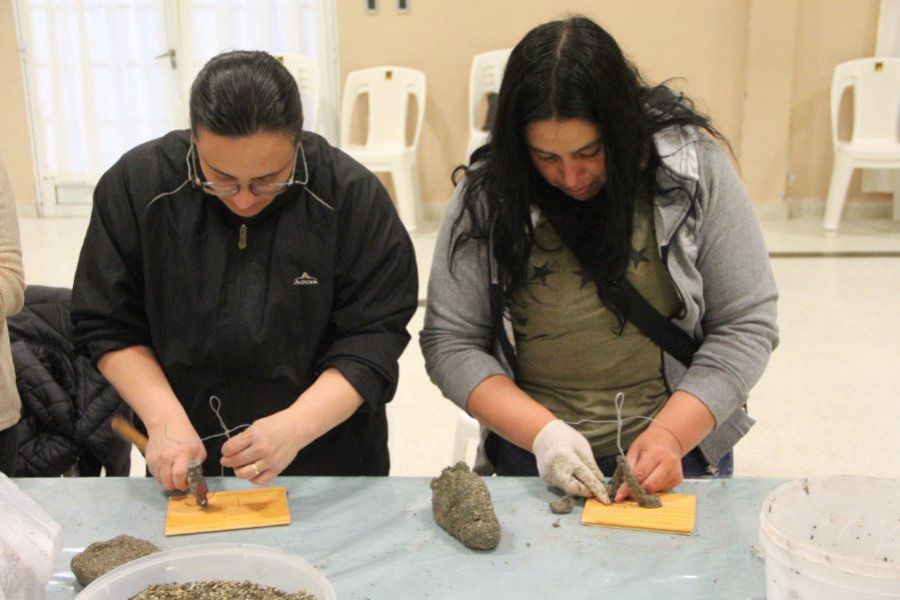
(565, 460)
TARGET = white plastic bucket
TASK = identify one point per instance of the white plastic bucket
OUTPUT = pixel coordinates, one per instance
(835, 537)
(233, 562)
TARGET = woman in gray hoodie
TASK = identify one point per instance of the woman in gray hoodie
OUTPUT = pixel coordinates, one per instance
(593, 180)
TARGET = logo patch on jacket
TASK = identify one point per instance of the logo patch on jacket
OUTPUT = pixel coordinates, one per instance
(306, 279)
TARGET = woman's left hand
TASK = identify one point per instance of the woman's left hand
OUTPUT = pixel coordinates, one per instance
(655, 459)
(262, 451)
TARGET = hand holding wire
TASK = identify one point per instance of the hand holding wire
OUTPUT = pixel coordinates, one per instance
(261, 452)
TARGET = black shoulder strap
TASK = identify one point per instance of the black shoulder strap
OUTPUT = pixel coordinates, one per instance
(664, 333)
(629, 303)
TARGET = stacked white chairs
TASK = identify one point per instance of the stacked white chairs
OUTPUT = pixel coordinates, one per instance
(389, 90)
(484, 79)
(305, 70)
(874, 143)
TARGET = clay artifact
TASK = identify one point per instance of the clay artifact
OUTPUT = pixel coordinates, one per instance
(461, 504)
(102, 557)
(562, 506)
(623, 472)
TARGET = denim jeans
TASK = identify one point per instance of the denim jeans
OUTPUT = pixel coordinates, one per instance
(510, 460)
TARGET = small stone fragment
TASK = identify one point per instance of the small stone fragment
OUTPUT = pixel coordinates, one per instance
(562, 506)
(102, 557)
(461, 504)
(556, 523)
(649, 501)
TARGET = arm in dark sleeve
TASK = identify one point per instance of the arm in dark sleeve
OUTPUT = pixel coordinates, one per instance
(375, 293)
(107, 296)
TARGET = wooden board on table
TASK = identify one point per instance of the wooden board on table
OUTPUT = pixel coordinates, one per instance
(239, 509)
(677, 514)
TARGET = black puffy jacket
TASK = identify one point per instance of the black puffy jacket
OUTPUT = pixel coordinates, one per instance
(66, 403)
(252, 310)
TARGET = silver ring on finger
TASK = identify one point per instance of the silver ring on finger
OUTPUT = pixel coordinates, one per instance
(256, 470)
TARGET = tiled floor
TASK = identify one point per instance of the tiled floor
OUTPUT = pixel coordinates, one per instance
(828, 403)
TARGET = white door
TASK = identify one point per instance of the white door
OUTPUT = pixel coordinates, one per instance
(103, 76)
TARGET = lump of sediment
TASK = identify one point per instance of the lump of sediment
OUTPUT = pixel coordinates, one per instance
(562, 506)
(101, 557)
(462, 505)
(217, 590)
(624, 474)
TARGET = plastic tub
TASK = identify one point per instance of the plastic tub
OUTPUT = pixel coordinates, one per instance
(836, 537)
(234, 562)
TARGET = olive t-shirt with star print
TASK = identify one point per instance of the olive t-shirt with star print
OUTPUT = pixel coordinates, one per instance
(572, 356)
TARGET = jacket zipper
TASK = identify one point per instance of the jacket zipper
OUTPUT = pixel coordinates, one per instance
(242, 237)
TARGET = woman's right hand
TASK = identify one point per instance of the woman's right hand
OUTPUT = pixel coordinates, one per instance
(171, 448)
(565, 460)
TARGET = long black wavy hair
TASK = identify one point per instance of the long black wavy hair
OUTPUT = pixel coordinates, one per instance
(569, 69)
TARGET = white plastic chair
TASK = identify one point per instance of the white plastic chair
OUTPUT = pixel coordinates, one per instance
(484, 78)
(305, 70)
(874, 144)
(385, 150)
(468, 436)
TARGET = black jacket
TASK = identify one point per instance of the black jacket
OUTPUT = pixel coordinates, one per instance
(325, 276)
(66, 402)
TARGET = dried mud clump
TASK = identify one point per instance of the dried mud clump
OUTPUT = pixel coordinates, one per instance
(623, 474)
(102, 557)
(562, 506)
(462, 505)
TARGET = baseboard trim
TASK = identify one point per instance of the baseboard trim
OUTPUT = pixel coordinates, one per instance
(772, 211)
(799, 208)
(434, 211)
(27, 209)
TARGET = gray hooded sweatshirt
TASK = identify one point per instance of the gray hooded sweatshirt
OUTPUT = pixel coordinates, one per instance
(711, 244)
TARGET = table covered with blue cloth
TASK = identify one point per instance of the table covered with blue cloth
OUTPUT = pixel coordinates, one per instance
(376, 538)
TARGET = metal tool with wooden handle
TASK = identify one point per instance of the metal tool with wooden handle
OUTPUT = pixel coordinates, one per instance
(129, 433)
(196, 482)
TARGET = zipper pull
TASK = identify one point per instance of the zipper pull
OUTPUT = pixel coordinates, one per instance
(242, 237)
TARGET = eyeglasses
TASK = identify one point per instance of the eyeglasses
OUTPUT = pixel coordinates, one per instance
(225, 190)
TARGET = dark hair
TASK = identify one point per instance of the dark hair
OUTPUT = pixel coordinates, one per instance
(569, 69)
(241, 93)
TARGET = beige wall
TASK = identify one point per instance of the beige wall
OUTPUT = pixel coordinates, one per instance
(765, 123)
(761, 67)
(706, 46)
(15, 149)
(828, 32)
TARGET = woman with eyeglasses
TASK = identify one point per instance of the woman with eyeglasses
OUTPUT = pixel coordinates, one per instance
(600, 244)
(245, 272)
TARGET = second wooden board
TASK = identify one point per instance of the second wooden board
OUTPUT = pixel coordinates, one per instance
(677, 514)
